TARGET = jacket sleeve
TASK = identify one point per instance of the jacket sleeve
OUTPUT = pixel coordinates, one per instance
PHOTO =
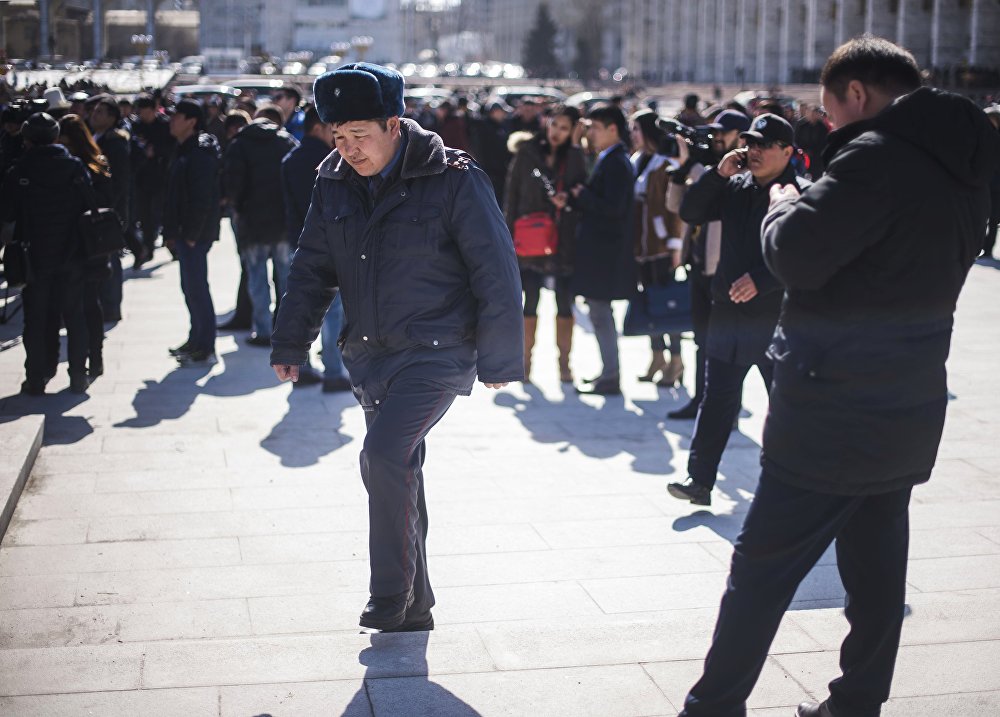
(234, 172)
(479, 230)
(198, 210)
(512, 200)
(807, 241)
(121, 176)
(294, 186)
(705, 199)
(312, 284)
(616, 204)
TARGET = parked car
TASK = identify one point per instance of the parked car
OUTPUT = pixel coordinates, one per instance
(227, 92)
(513, 95)
(259, 87)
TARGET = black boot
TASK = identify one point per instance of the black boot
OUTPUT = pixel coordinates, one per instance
(813, 709)
(689, 490)
(386, 613)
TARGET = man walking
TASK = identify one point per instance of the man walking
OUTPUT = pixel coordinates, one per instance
(411, 234)
(152, 133)
(191, 225)
(873, 258)
(746, 298)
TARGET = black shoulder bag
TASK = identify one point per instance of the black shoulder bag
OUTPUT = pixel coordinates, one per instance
(17, 267)
(100, 227)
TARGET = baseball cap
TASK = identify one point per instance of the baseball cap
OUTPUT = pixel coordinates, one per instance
(729, 120)
(770, 128)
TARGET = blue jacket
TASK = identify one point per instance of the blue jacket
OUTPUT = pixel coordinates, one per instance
(427, 273)
(191, 208)
(298, 177)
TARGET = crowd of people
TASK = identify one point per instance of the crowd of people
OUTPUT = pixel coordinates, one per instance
(594, 198)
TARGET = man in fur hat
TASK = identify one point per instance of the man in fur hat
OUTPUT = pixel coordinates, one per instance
(410, 233)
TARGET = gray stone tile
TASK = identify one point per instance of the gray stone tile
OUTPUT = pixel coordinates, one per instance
(58, 464)
(630, 531)
(69, 626)
(46, 532)
(774, 688)
(199, 702)
(956, 573)
(321, 495)
(123, 504)
(70, 484)
(949, 543)
(216, 583)
(105, 557)
(54, 670)
(343, 698)
(312, 658)
(975, 703)
(961, 514)
(658, 592)
(37, 591)
(613, 691)
(524, 510)
(675, 635)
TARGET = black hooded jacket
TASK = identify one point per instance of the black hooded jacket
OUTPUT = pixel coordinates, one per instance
(191, 211)
(873, 258)
(252, 175)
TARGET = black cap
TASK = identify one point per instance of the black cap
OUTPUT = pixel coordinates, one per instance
(192, 109)
(40, 129)
(770, 128)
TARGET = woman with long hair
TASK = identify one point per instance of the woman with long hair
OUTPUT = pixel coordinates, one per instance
(75, 136)
(658, 234)
(546, 161)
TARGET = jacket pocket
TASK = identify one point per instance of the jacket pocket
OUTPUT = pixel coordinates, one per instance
(413, 230)
(438, 336)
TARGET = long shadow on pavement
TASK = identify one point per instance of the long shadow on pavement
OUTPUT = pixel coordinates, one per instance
(60, 429)
(300, 439)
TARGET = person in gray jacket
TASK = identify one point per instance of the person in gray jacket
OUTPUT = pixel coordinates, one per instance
(410, 233)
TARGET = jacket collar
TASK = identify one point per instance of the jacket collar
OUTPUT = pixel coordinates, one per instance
(424, 156)
(787, 177)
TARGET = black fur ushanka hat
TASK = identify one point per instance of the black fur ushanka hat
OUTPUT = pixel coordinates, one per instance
(360, 91)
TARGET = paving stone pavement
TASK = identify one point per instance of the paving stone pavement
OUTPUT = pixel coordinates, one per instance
(193, 542)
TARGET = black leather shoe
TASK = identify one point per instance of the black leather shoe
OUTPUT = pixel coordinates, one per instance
(336, 385)
(182, 349)
(95, 369)
(256, 339)
(813, 709)
(79, 383)
(32, 389)
(604, 387)
(386, 613)
(416, 623)
(689, 490)
(686, 412)
(234, 324)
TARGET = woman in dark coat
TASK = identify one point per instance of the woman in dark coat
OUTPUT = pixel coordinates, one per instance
(604, 267)
(75, 136)
(552, 152)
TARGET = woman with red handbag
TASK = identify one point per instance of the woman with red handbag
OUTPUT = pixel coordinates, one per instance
(545, 163)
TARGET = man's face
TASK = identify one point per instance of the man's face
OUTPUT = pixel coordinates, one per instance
(766, 160)
(181, 127)
(842, 112)
(365, 145)
(147, 115)
(285, 102)
(601, 136)
(101, 120)
(726, 141)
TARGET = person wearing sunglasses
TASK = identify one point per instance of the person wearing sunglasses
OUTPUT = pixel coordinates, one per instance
(746, 298)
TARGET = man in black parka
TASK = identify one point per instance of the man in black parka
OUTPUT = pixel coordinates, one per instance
(746, 298)
(873, 257)
(411, 234)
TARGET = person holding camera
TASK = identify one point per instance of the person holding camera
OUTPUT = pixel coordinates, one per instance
(43, 195)
(746, 298)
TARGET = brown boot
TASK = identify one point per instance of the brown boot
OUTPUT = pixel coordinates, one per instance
(530, 324)
(673, 373)
(564, 341)
(657, 364)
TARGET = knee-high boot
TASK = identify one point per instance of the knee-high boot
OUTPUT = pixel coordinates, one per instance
(530, 324)
(564, 341)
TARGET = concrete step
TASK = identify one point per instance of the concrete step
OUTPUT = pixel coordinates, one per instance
(20, 441)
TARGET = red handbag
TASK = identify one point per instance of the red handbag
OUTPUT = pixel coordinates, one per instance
(536, 234)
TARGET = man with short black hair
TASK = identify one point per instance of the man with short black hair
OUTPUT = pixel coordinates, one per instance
(873, 258)
(287, 100)
(152, 133)
(191, 225)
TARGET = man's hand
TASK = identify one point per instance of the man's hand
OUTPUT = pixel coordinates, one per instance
(683, 150)
(284, 372)
(732, 164)
(494, 385)
(560, 200)
(742, 290)
(780, 194)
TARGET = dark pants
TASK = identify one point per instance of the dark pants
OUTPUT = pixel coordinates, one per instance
(149, 212)
(94, 313)
(194, 284)
(49, 302)
(786, 531)
(701, 311)
(531, 284)
(991, 233)
(719, 407)
(392, 469)
(111, 291)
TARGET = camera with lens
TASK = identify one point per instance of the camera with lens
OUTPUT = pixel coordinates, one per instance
(19, 110)
(699, 140)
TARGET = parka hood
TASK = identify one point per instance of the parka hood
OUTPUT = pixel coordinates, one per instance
(518, 139)
(423, 157)
(261, 130)
(948, 127)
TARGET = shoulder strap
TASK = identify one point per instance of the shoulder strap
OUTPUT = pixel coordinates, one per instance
(88, 192)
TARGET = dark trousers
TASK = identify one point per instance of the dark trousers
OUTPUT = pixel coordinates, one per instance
(49, 302)
(701, 311)
(194, 284)
(531, 284)
(94, 313)
(392, 469)
(719, 407)
(149, 212)
(111, 291)
(991, 234)
(786, 531)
